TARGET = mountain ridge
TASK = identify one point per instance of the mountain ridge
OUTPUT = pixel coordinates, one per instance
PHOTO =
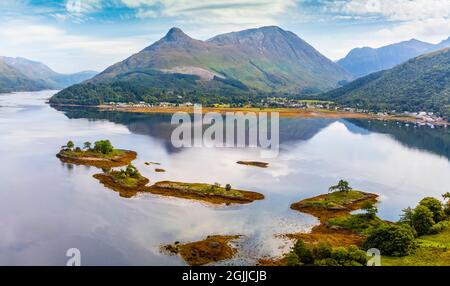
(39, 72)
(284, 63)
(420, 84)
(363, 61)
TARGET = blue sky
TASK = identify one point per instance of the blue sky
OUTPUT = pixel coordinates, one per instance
(74, 35)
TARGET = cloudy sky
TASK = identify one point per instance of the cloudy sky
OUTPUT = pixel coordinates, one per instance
(74, 35)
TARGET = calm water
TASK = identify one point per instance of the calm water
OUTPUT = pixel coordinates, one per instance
(47, 207)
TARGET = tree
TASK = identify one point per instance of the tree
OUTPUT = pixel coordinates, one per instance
(422, 220)
(435, 206)
(303, 252)
(70, 145)
(370, 209)
(392, 240)
(87, 145)
(446, 197)
(104, 147)
(132, 172)
(228, 187)
(407, 216)
(342, 186)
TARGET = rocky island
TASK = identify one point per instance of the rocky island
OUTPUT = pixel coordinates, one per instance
(126, 182)
(253, 163)
(102, 155)
(215, 194)
(212, 249)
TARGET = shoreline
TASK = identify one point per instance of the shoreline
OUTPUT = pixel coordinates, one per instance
(283, 112)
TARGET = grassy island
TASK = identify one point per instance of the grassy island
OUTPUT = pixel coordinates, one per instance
(333, 210)
(253, 163)
(212, 249)
(215, 194)
(127, 182)
(102, 155)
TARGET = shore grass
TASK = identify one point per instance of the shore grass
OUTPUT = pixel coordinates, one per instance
(215, 194)
(433, 250)
(92, 154)
(200, 188)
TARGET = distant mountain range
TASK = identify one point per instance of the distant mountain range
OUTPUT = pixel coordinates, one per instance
(20, 74)
(420, 84)
(264, 60)
(363, 61)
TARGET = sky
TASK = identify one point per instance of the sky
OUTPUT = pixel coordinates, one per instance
(74, 35)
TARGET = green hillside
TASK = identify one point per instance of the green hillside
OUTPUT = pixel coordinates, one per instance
(421, 84)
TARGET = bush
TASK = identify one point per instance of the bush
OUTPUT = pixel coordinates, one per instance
(435, 206)
(104, 147)
(392, 240)
(322, 250)
(422, 220)
(303, 252)
(439, 227)
(324, 255)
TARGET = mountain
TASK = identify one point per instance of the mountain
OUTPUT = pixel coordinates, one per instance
(13, 80)
(420, 84)
(39, 72)
(240, 64)
(444, 44)
(363, 61)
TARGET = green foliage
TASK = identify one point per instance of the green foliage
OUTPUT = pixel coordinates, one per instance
(342, 186)
(421, 84)
(392, 240)
(87, 145)
(435, 206)
(303, 252)
(422, 220)
(439, 227)
(227, 187)
(363, 224)
(104, 147)
(323, 254)
(132, 172)
(370, 209)
(70, 145)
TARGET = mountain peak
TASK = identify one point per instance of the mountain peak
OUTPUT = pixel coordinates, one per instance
(176, 34)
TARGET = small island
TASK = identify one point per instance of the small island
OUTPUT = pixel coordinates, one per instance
(160, 170)
(102, 155)
(253, 163)
(212, 249)
(215, 194)
(337, 204)
(126, 182)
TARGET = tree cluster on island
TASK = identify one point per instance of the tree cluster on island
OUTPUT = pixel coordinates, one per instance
(101, 147)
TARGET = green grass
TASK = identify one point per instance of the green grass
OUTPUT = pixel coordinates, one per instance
(360, 223)
(335, 199)
(126, 181)
(433, 250)
(81, 154)
(207, 189)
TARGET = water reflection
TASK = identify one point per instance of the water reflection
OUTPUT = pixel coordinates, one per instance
(435, 140)
(47, 207)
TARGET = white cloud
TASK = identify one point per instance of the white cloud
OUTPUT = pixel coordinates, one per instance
(399, 10)
(81, 7)
(57, 47)
(226, 12)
